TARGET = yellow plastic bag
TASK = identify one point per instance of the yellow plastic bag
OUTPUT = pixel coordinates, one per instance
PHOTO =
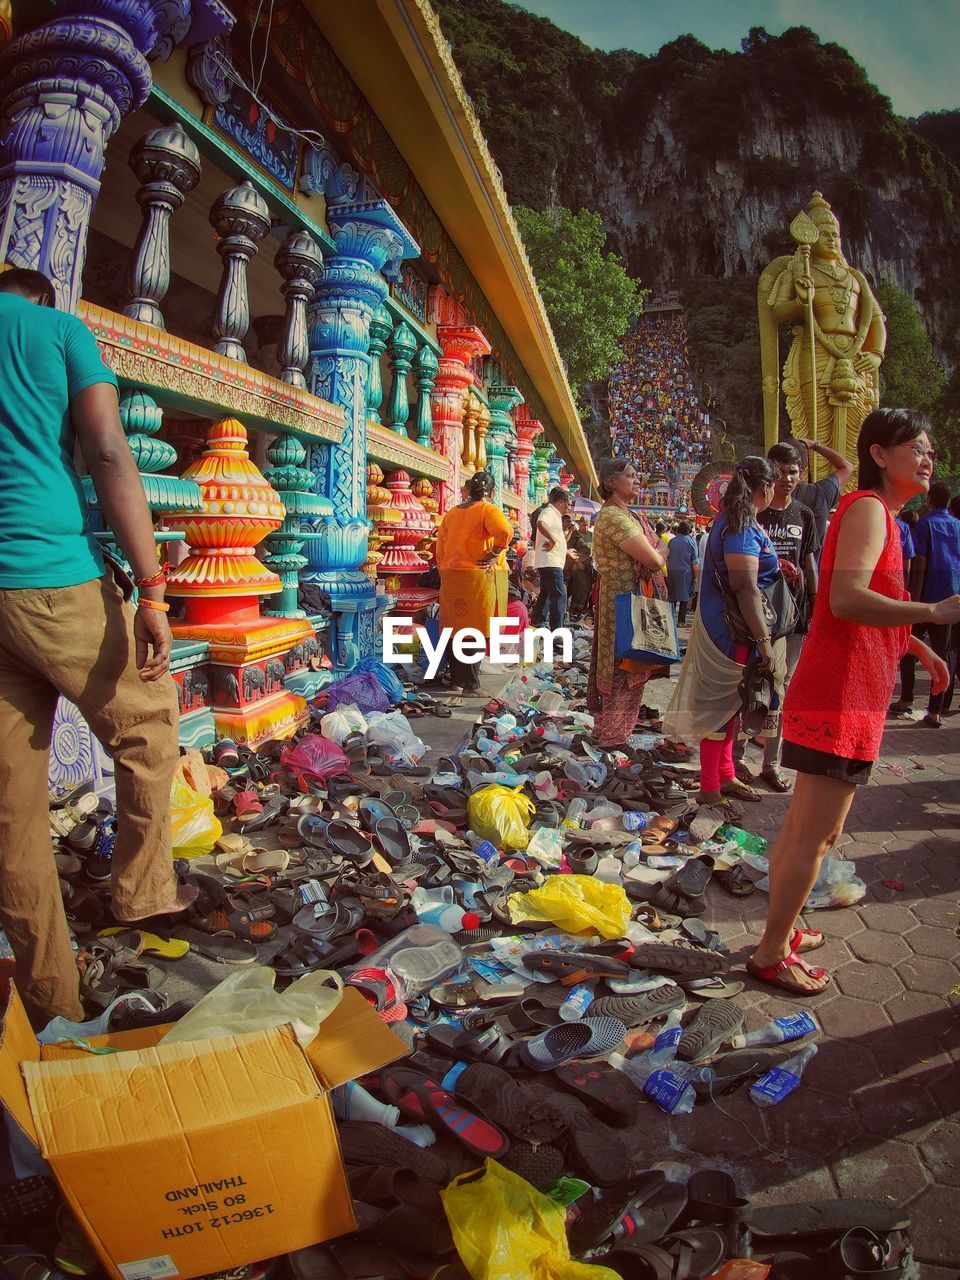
(504, 1229)
(577, 904)
(501, 815)
(194, 827)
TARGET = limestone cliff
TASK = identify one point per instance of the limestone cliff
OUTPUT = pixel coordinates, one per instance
(698, 159)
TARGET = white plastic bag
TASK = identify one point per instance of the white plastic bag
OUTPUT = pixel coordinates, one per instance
(339, 724)
(248, 1001)
(391, 729)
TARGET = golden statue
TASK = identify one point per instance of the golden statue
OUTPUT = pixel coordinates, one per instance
(839, 332)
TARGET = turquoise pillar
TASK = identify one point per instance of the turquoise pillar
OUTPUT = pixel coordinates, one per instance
(503, 400)
(368, 236)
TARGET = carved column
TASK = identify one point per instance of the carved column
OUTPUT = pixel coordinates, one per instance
(300, 264)
(241, 219)
(554, 466)
(403, 346)
(65, 88)
(167, 163)
(381, 327)
(294, 483)
(459, 345)
(480, 433)
(510, 480)
(425, 374)
(367, 235)
(471, 412)
(540, 472)
(503, 400)
(527, 429)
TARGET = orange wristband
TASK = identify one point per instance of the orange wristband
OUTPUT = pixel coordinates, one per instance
(161, 606)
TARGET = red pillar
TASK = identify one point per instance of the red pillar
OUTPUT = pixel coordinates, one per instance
(460, 345)
(527, 429)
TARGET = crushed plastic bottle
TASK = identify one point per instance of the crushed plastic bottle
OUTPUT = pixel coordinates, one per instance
(790, 1027)
(552, 734)
(664, 1051)
(577, 1002)
(743, 839)
(609, 870)
(779, 1082)
(671, 1092)
(573, 818)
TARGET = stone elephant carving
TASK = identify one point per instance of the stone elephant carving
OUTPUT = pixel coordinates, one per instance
(293, 658)
(196, 688)
(275, 672)
(311, 648)
(226, 687)
(254, 680)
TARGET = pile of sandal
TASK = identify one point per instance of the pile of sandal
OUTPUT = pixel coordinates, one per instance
(526, 914)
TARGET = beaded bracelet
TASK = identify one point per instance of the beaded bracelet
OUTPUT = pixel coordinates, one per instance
(161, 606)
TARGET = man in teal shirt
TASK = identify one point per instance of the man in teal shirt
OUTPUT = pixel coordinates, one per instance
(66, 629)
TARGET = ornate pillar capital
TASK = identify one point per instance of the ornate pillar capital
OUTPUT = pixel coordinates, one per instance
(503, 400)
(64, 88)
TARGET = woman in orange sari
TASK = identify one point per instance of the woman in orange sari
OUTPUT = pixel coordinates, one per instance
(471, 543)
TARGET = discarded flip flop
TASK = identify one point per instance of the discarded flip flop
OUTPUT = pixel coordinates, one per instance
(558, 1045)
(610, 1095)
(573, 967)
(148, 944)
(712, 1025)
(495, 1094)
(716, 987)
(423, 1099)
(735, 881)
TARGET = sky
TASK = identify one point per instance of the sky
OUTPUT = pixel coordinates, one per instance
(909, 48)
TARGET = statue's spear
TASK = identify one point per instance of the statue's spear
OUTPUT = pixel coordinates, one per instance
(805, 234)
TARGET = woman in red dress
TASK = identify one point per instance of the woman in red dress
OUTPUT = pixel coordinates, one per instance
(837, 701)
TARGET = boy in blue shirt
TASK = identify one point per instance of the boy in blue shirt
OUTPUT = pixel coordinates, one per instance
(935, 569)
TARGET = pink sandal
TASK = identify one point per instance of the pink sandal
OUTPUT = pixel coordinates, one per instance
(773, 974)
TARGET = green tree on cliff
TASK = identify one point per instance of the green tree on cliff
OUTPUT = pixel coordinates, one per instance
(588, 295)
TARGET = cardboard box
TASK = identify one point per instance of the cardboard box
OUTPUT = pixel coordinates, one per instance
(193, 1158)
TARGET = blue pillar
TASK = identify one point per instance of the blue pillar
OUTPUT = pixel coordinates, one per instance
(65, 88)
(368, 237)
(554, 467)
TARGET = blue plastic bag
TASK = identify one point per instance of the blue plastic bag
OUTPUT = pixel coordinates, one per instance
(388, 680)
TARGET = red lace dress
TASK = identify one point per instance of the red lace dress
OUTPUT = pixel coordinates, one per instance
(838, 698)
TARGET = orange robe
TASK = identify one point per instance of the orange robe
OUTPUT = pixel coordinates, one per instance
(470, 595)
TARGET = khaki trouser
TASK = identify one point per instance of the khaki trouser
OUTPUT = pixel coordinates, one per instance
(77, 641)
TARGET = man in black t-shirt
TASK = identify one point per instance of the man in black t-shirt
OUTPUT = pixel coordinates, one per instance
(821, 496)
(792, 529)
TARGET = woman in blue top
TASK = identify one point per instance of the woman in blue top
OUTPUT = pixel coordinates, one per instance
(706, 701)
(681, 569)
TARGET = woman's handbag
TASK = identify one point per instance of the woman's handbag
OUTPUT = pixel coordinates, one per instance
(776, 601)
(646, 627)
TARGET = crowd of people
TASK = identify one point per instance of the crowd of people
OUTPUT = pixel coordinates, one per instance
(655, 414)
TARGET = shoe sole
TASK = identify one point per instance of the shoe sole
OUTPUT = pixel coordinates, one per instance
(713, 1025)
(633, 1011)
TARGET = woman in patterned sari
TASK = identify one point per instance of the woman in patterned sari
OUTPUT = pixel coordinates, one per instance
(623, 546)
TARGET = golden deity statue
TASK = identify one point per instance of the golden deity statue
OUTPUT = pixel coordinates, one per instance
(831, 377)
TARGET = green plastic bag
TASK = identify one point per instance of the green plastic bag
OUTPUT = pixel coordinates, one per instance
(504, 1229)
(578, 904)
(501, 815)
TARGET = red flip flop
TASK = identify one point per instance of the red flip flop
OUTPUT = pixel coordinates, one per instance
(799, 943)
(772, 974)
(423, 1099)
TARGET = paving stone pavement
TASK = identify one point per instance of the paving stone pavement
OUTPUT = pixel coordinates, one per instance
(878, 1112)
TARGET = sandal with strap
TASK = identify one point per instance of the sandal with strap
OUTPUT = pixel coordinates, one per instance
(735, 880)
(807, 940)
(740, 791)
(773, 975)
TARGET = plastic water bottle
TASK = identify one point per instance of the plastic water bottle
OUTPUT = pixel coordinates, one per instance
(693, 1074)
(482, 848)
(779, 1082)
(576, 1004)
(635, 821)
(438, 907)
(352, 1102)
(779, 1031)
(609, 870)
(663, 1053)
(488, 747)
(743, 839)
(573, 818)
(670, 1091)
(552, 734)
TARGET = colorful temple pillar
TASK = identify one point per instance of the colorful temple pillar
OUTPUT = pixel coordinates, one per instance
(459, 345)
(527, 429)
(403, 347)
(503, 400)
(221, 581)
(293, 481)
(65, 87)
(381, 327)
(554, 467)
(540, 471)
(425, 369)
(367, 236)
(481, 427)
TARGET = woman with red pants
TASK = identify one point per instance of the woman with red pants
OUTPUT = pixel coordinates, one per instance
(738, 560)
(838, 698)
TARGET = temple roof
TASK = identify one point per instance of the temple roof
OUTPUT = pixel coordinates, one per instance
(402, 64)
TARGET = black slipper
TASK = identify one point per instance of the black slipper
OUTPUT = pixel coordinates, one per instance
(600, 1155)
(712, 1201)
(365, 1144)
(643, 1212)
(539, 1165)
(494, 1094)
(713, 1025)
(609, 1094)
